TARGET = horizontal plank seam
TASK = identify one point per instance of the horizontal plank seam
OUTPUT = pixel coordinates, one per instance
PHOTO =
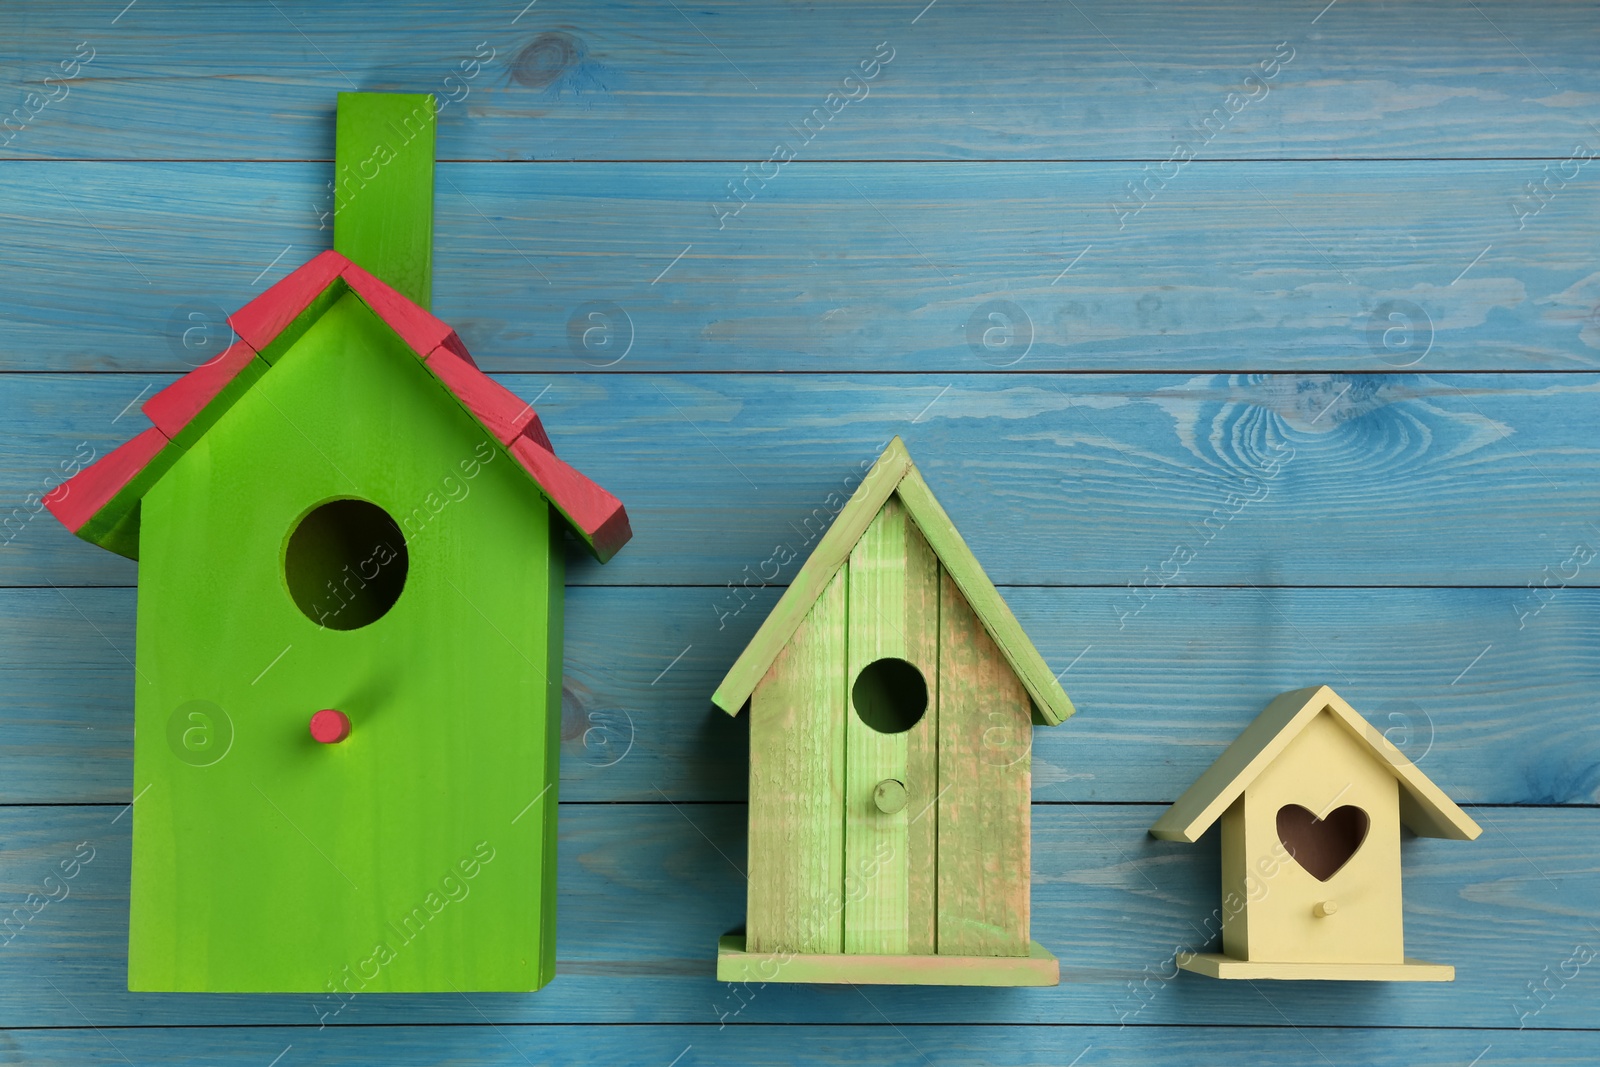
(940, 161)
(1270, 1027)
(998, 585)
(963, 371)
(725, 803)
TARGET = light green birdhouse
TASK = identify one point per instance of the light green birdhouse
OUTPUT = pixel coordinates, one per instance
(892, 697)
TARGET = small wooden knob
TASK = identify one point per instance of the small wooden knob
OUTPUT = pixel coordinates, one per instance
(1325, 908)
(890, 796)
(330, 726)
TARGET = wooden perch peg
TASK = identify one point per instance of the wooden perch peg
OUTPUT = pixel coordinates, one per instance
(330, 726)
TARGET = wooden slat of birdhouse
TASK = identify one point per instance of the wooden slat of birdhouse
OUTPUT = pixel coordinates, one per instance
(985, 747)
(797, 731)
(889, 856)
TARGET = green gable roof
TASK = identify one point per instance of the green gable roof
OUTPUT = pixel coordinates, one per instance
(894, 473)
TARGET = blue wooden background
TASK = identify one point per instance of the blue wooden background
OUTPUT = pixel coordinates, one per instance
(1381, 264)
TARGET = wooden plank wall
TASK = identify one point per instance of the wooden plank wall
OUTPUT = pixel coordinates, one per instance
(1315, 405)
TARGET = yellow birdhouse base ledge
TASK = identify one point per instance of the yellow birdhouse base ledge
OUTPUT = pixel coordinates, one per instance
(734, 964)
(1216, 965)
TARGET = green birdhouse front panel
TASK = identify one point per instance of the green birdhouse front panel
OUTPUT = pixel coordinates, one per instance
(345, 848)
(892, 697)
(348, 676)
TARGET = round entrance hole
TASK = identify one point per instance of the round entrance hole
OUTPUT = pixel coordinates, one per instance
(890, 695)
(346, 564)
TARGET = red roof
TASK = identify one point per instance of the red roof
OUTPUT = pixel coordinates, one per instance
(98, 502)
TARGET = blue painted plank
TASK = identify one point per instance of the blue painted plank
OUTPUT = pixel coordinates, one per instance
(945, 267)
(1494, 714)
(646, 889)
(721, 79)
(1397, 479)
(515, 1045)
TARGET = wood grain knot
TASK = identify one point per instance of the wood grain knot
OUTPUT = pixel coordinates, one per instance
(545, 58)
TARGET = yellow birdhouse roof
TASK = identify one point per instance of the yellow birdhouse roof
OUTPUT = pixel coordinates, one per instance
(895, 474)
(1423, 805)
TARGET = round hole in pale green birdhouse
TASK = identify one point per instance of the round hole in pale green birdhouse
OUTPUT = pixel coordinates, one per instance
(890, 695)
(345, 564)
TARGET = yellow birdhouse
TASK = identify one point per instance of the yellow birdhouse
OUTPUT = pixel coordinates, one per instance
(1311, 799)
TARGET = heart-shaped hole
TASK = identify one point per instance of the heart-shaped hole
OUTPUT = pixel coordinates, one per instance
(1322, 846)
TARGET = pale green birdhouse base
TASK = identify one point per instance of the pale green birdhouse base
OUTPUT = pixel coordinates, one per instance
(1216, 965)
(1038, 968)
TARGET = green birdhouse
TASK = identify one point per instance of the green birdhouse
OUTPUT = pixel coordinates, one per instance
(892, 696)
(348, 677)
